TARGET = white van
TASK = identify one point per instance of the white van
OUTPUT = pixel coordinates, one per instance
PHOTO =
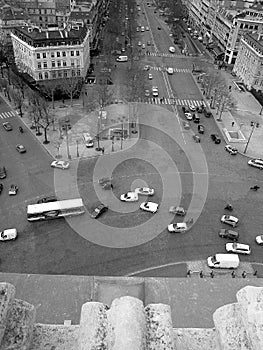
(223, 261)
(122, 59)
(88, 140)
(8, 234)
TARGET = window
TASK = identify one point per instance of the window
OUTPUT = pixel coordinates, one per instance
(58, 54)
(65, 74)
(72, 63)
(54, 75)
(64, 53)
(46, 75)
(38, 55)
(45, 65)
(71, 53)
(73, 73)
(40, 18)
(78, 72)
(39, 65)
(40, 76)
(64, 63)
(44, 55)
(59, 63)
(77, 52)
(60, 74)
(53, 64)
(52, 54)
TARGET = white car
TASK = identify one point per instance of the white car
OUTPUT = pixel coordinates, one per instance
(60, 164)
(129, 197)
(139, 43)
(257, 163)
(188, 116)
(146, 67)
(143, 46)
(149, 206)
(8, 234)
(230, 220)
(192, 108)
(146, 191)
(172, 49)
(155, 91)
(150, 76)
(170, 70)
(239, 248)
(230, 149)
(259, 240)
(177, 228)
(147, 28)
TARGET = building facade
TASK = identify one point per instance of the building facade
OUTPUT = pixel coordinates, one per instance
(52, 53)
(249, 62)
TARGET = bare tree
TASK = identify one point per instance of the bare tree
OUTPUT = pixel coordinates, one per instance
(71, 86)
(49, 87)
(18, 99)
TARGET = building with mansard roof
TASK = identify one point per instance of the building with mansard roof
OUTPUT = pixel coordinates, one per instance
(52, 53)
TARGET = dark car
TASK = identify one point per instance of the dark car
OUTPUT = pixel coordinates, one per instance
(7, 126)
(47, 199)
(98, 210)
(185, 109)
(196, 118)
(159, 28)
(207, 114)
(1, 188)
(2, 172)
(201, 129)
(216, 138)
(196, 138)
(229, 234)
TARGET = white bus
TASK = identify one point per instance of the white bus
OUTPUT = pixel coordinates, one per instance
(53, 210)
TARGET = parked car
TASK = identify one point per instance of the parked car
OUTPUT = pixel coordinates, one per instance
(146, 67)
(238, 248)
(207, 114)
(201, 129)
(147, 93)
(129, 197)
(155, 91)
(139, 43)
(186, 125)
(230, 149)
(20, 148)
(98, 210)
(188, 116)
(259, 240)
(192, 108)
(216, 138)
(196, 138)
(256, 163)
(7, 126)
(196, 118)
(13, 190)
(143, 46)
(148, 43)
(145, 191)
(147, 28)
(149, 206)
(171, 49)
(177, 228)
(48, 199)
(8, 234)
(229, 234)
(150, 76)
(170, 70)
(60, 164)
(230, 220)
(2, 172)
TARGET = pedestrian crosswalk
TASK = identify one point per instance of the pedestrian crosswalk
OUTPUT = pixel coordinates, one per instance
(9, 114)
(163, 54)
(176, 70)
(172, 101)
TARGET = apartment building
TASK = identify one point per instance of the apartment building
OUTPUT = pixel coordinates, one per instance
(224, 22)
(52, 53)
(249, 63)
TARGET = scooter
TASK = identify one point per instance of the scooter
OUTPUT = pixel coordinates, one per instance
(229, 207)
(255, 188)
(21, 129)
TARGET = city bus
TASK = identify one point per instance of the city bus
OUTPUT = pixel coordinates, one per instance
(53, 210)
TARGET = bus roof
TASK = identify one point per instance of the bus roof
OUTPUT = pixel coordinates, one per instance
(59, 205)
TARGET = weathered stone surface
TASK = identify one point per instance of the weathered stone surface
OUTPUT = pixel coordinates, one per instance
(251, 303)
(127, 318)
(54, 337)
(95, 332)
(19, 326)
(7, 293)
(159, 327)
(230, 328)
(195, 338)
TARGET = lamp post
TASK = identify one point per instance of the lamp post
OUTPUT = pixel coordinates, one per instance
(253, 126)
(112, 143)
(260, 113)
(77, 143)
(66, 127)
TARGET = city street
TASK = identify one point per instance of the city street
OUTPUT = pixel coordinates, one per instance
(200, 177)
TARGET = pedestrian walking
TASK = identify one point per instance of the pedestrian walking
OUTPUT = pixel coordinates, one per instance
(233, 274)
(201, 274)
(244, 274)
(102, 150)
(233, 123)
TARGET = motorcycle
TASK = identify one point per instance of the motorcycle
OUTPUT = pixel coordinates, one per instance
(229, 207)
(255, 188)
(21, 129)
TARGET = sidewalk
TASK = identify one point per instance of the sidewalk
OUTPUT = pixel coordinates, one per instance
(235, 126)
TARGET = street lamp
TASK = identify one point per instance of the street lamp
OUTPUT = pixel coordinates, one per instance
(77, 143)
(65, 127)
(253, 126)
(112, 143)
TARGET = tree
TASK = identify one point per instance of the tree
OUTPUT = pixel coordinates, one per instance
(48, 88)
(71, 86)
(18, 99)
